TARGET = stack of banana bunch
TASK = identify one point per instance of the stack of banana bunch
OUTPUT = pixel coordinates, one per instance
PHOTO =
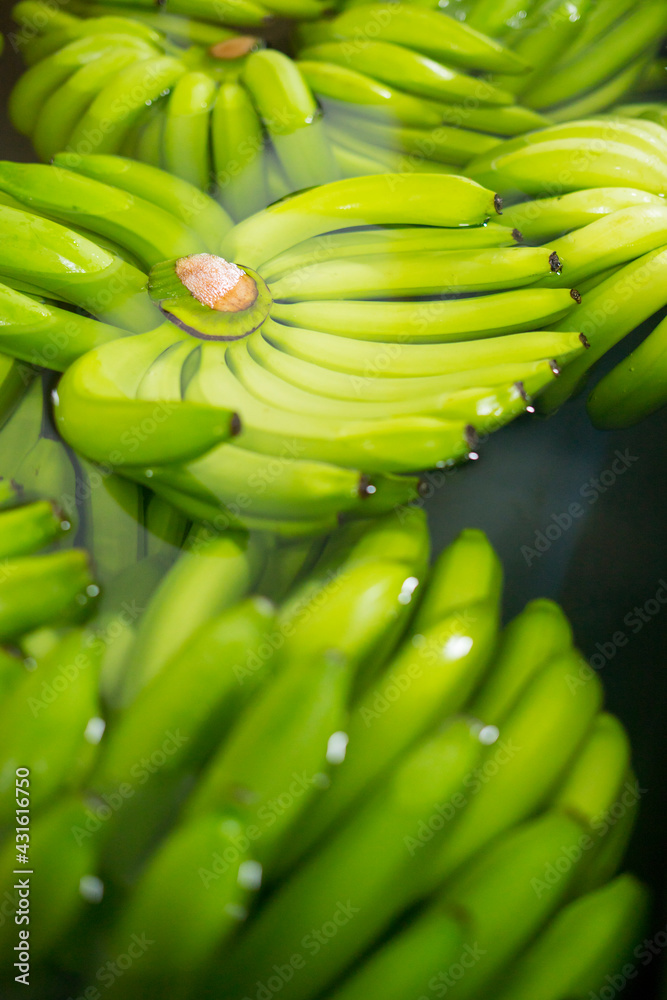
(597, 189)
(373, 327)
(367, 790)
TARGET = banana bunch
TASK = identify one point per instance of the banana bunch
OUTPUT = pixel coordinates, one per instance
(376, 325)
(585, 55)
(579, 56)
(597, 190)
(251, 125)
(185, 22)
(354, 793)
(222, 114)
(401, 89)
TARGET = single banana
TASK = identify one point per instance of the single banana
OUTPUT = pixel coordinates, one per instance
(134, 431)
(429, 32)
(432, 200)
(46, 335)
(191, 207)
(432, 322)
(434, 674)
(532, 726)
(467, 572)
(635, 388)
(399, 239)
(147, 231)
(538, 634)
(407, 69)
(290, 114)
(211, 574)
(238, 153)
(630, 296)
(362, 866)
(185, 140)
(51, 738)
(416, 274)
(28, 528)
(544, 219)
(587, 941)
(72, 268)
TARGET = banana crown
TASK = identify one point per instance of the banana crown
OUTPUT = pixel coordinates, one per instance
(209, 297)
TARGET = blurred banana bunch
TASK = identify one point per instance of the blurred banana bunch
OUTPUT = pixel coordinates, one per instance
(354, 788)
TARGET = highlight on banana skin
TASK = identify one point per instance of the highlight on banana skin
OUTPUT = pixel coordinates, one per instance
(273, 268)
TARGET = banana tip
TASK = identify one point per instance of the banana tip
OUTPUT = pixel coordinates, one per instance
(575, 295)
(554, 263)
(584, 340)
(235, 425)
(498, 204)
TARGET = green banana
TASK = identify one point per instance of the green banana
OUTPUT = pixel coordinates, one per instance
(534, 731)
(238, 152)
(580, 155)
(431, 678)
(407, 69)
(410, 273)
(213, 907)
(63, 108)
(630, 37)
(441, 38)
(165, 528)
(41, 80)
(339, 87)
(26, 529)
(238, 776)
(119, 105)
(191, 207)
(210, 575)
(433, 200)
(360, 870)
(586, 942)
(635, 388)
(63, 581)
(547, 218)
(147, 231)
(432, 322)
(45, 721)
(134, 431)
(538, 634)
(72, 268)
(225, 660)
(45, 335)
(382, 445)
(387, 240)
(365, 362)
(58, 897)
(185, 140)
(290, 115)
(630, 296)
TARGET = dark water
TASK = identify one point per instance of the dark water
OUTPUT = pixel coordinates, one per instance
(603, 566)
